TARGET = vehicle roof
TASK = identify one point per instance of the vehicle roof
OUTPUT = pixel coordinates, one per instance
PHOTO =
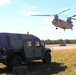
(27, 36)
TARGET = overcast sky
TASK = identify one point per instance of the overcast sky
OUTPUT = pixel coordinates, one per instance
(15, 17)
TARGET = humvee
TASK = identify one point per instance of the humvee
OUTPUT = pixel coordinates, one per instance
(17, 48)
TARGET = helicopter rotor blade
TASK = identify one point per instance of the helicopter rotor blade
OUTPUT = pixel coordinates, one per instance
(73, 18)
(63, 11)
(54, 14)
(41, 15)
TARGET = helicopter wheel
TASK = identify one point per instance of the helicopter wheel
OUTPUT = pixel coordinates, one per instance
(56, 28)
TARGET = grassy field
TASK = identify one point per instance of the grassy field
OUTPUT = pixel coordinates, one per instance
(63, 63)
(68, 60)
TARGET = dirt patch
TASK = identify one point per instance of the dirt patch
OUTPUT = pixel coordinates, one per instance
(57, 47)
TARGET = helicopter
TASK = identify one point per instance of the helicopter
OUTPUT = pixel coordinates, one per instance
(59, 23)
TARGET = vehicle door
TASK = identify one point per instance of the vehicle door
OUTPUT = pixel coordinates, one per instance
(28, 48)
(37, 49)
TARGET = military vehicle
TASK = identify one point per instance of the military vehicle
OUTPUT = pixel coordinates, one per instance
(18, 48)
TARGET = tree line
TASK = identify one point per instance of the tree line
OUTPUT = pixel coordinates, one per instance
(60, 41)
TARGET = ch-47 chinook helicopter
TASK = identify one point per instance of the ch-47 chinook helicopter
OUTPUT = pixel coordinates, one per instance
(59, 23)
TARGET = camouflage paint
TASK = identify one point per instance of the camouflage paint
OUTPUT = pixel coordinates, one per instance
(15, 41)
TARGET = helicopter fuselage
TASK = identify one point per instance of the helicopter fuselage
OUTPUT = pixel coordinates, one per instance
(62, 24)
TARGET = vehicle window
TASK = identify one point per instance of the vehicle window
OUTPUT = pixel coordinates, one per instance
(29, 43)
(37, 43)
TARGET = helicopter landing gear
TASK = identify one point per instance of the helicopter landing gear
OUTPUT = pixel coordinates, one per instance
(56, 28)
(72, 29)
(64, 28)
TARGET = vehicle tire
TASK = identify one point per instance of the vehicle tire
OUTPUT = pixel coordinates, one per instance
(47, 58)
(15, 61)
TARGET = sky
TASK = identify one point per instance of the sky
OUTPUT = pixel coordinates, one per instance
(15, 17)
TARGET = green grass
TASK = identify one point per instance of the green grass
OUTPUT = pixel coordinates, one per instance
(68, 58)
(63, 63)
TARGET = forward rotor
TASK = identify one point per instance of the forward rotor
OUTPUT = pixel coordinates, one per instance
(53, 14)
